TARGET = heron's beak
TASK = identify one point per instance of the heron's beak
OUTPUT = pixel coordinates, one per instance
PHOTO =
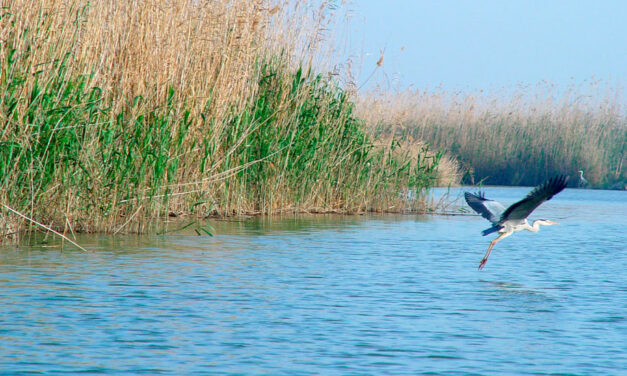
(554, 223)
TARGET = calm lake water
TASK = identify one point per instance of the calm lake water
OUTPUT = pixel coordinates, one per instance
(361, 295)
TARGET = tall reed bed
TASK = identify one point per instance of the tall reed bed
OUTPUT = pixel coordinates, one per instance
(515, 137)
(116, 113)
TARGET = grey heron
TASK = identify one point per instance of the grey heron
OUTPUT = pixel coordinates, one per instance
(582, 181)
(514, 218)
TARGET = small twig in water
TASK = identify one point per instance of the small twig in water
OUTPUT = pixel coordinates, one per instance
(127, 222)
(44, 226)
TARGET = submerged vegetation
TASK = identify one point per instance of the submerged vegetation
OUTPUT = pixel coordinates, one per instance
(515, 138)
(116, 113)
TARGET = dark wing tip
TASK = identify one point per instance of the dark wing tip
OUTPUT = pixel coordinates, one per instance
(474, 196)
(476, 202)
(537, 196)
(554, 185)
(549, 188)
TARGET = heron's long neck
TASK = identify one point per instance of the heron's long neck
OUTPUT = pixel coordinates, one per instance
(535, 227)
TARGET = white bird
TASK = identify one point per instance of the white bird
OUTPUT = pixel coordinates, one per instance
(514, 219)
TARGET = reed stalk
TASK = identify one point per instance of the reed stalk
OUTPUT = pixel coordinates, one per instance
(114, 114)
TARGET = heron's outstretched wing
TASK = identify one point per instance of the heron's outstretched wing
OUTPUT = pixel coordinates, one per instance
(489, 209)
(537, 196)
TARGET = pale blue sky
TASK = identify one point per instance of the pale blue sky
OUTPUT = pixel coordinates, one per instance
(490, 43)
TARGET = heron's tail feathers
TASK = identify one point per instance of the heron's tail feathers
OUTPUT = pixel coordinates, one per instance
(492, 229)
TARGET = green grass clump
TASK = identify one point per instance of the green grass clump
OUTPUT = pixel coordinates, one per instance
(303, 144)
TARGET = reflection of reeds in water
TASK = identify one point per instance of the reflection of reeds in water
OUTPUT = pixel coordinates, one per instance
(114, 113)
(517, 139)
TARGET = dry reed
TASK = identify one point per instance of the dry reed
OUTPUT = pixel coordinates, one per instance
(117, 113)
(515, 137)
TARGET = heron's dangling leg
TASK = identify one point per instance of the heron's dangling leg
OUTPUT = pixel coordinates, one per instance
(492, 243)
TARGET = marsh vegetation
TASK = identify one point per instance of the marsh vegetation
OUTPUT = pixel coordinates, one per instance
(514, 137)
(116, 113)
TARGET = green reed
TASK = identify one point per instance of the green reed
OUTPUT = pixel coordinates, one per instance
(77, 156)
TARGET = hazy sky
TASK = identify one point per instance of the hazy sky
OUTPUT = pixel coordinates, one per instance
(489, 44)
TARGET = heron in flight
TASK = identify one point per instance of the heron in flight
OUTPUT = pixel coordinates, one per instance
(514, 219)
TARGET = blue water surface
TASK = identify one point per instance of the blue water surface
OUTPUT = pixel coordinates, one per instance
(329, 295)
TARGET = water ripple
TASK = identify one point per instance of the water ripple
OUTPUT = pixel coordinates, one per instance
(391, 295)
